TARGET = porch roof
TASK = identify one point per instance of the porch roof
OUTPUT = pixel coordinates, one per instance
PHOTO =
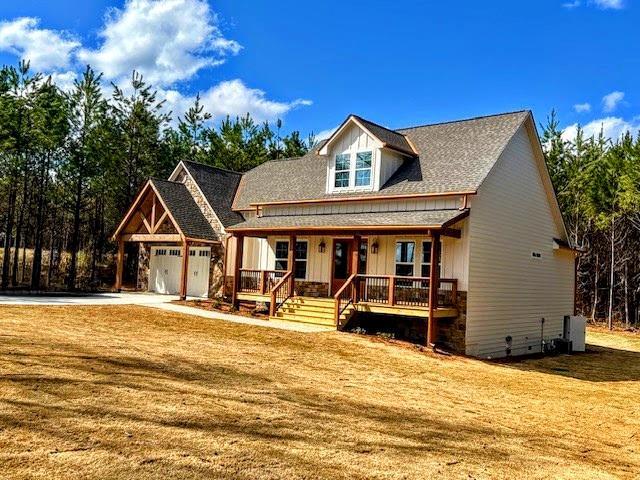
(407, 220)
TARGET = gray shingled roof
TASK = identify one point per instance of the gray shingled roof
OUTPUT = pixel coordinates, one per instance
(184, 210)
(218, 186)
(453, 157)
(389, 137)
(433, 218)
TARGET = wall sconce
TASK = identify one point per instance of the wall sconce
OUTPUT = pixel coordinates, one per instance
(374, 247)
(322, 246)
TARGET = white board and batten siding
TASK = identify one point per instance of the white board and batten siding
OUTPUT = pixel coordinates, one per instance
(516, 277)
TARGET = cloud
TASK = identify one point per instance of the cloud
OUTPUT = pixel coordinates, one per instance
(45, 49)
(582, 107)
(168, 41)
(64, 80)
(611, 127)
(571, 5)
(233, 98)
(325, 134)
(611, 101)
(609, 4)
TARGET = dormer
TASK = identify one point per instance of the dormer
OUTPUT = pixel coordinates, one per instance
(362, 156)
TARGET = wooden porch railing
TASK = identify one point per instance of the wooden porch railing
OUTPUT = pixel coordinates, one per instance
(280, 293)
(405, 291)
(259, 281)
(345, 296)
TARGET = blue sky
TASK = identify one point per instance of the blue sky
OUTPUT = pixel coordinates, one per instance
(311, 63)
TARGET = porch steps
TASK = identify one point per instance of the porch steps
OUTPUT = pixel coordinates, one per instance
(318, 311)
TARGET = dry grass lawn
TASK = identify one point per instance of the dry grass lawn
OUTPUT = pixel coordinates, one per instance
(128, 392)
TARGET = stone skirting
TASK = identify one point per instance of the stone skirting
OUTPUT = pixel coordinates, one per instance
(311, 289)
(451, 332)
(142, 280)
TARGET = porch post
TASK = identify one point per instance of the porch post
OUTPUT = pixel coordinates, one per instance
(119, 264)
(434, 283)
(292, 263)
(355, 256)
(237, 265)
(184, 275)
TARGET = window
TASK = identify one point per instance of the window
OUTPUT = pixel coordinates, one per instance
(363, 169)
(282, 258)
(301, 260)
(204, 253)
(343, 169)
(426, 258)
(405, 254)
(192, 253)
(161, 251)
(175, 252)
(282, 255)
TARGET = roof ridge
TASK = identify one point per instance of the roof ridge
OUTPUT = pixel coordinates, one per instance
(212, 166)
(376, 124)
(469, 119)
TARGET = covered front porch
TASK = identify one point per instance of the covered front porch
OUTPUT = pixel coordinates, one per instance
(331, 275)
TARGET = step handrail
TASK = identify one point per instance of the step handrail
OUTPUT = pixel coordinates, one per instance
(279, 292)
(347, 296)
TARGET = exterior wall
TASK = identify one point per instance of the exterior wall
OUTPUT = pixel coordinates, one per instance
(216, 279)
(405, 205)
(510, 290)
(142, 281)
(389, 162)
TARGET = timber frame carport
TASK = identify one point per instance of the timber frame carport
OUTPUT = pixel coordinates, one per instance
(164, 212)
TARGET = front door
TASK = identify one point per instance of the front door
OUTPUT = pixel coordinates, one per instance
(341, 265)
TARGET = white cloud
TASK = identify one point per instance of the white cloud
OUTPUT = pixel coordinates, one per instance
(45, 49)
(325, 134)
(609, 4)
(64, 80)
(582, 107)
(168, 41)
(611, 127)
(611, 101)
(232, 98)
(571, 5)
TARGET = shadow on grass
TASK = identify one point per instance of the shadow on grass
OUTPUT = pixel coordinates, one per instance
(597, 364)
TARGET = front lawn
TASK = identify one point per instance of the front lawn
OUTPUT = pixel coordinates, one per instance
(130, 392)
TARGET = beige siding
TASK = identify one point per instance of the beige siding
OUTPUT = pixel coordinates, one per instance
(510, 290)
(389, 162)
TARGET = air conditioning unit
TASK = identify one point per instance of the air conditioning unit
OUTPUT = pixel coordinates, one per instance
(575, 332)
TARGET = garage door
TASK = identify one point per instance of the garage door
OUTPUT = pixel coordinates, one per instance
(165, 266)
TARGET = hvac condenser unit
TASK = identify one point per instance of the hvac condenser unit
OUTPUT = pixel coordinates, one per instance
(575, 331)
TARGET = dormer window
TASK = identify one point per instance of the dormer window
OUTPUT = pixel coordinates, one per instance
(343, 170)
(353, 170)
(363, 169)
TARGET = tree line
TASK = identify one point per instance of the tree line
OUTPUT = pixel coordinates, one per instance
(72, 162)
(597, 181)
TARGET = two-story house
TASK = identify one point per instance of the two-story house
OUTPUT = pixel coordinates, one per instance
(455, 225)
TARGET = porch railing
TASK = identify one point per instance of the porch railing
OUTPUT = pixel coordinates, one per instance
(259, 281)
(345, 296)
(405, 291)
(280, 293)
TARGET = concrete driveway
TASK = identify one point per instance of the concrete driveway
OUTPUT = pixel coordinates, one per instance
(123, 298)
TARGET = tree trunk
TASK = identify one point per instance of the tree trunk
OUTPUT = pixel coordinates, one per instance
(6, 257)
(626, 295)
(19, 240)
(36, 268)
(75, 238)
(611, 275)
(595, 290)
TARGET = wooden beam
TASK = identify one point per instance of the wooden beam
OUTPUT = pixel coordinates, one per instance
(153, 215)
(119, 264)
(149, 237)
(146, 222)
(158, 224)
(184, 274)
(434, 282)
(236, 269)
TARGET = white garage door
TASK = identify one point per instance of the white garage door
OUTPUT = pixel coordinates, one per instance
(165, 266)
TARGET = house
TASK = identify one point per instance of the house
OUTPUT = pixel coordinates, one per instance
(365, 225)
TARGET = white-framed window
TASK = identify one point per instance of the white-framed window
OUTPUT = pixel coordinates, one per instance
(175, 252)
(301, 253)
(353, 170)
(405, 258)
(363, 169)
(343, 170)
(301, 259)
(282, 255)
(426, 258)
(161, 251)
(204, 253)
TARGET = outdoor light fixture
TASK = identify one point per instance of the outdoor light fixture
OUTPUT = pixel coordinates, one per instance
(374, 246)
(322, 246)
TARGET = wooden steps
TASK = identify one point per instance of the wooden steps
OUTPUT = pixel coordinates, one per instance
(317, 311)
